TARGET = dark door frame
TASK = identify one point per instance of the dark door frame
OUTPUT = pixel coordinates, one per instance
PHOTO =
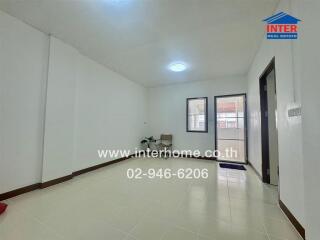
(245, 124)
(264, 120)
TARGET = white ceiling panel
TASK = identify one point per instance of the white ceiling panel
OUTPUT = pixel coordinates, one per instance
(140, 38)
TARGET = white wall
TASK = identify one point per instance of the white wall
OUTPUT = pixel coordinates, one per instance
(60, 108)
(23, 70)
(89, 107)
(289, 129)
(167, 110)
(309, 57)
(110, 113)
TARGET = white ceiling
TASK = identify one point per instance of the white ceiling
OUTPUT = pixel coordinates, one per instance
(139, 38)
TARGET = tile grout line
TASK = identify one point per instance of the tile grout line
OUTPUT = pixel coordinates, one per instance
(43, 224)
(265, 229)
(229, 199)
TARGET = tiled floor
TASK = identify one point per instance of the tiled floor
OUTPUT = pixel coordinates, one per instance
(104, 205)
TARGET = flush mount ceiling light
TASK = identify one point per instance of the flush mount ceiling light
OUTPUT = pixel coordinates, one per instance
(177, 67)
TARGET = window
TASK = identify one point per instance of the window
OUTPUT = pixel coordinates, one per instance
(197, 114)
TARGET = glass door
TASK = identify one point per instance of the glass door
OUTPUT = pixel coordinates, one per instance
(230, 134)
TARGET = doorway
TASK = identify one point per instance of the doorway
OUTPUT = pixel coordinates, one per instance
(269, 130)
(230, 128)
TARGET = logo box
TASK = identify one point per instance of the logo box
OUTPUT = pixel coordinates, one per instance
(282, 26)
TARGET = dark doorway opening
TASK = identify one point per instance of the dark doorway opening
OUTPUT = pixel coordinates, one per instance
(269, 132)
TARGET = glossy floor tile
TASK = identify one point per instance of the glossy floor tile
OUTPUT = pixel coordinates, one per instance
(105, 204)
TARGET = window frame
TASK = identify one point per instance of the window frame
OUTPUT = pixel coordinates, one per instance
(206, 115)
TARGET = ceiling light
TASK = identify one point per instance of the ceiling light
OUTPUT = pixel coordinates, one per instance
(177, 66)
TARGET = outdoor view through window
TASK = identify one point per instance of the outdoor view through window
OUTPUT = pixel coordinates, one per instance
(197, 115)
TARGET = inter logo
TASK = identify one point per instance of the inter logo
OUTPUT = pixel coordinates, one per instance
(282, 26)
